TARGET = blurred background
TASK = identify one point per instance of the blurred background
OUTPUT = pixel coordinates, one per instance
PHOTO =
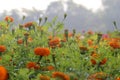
(95, 15)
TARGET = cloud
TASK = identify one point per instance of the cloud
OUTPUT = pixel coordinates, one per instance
(78, 18)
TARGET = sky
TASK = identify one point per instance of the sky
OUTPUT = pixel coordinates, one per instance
(97, 15)
(8, 5)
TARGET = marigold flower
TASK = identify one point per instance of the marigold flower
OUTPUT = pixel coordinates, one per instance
(70, 34)
(48, 68)
(54, 42)
(30, 39)
(3, 73)
(43, 77)
(118, 78)
(42, 51)
(97, 76)
(32, 65)
(114, 43)
(93, 61)
(9, 19)
(90, 42)
(20, 41)
(28, 24)
(60, 75)
(83, 48)
(94, 55)
(90, 32)
(103, 61)
(2, 48)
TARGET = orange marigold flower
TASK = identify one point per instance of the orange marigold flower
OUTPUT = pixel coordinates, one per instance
(90, 42)
(60, 75)
(32, 65)
(90, 32)
(42, 77)
(118, 78)
(93, 61)
(55, 42)
(103, 61)
(70, 34)
(30, 39)
(114, 44)
(97, 76)
(83, 48)
(28, 24)
(2, 48)
(42, 51)
(50, 68)
(9, 19)
(94, 55)
(3, 73)
(19, 41)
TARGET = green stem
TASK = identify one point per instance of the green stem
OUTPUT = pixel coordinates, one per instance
(54, 61)
(39, 59)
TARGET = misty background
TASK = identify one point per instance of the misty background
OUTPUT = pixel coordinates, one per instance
(78, 17)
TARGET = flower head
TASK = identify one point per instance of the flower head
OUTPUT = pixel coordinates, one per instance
(60, 75)
(90, 42)
(94, 55)
(93, 61)
(115, 43)
(9, 19)
(48, 68)
(2, 48)
(83, 48)
(19, 41)
(118, 78)
(32, 65)
(103, 61)
(97, 76)
(42, 51)
(3, 73)
(55, 42)
(43, 77)
(28, 24)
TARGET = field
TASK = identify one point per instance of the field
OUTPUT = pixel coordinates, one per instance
(47, 51)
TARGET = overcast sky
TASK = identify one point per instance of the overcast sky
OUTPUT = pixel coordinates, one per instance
(96, 15)
(43, 4)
